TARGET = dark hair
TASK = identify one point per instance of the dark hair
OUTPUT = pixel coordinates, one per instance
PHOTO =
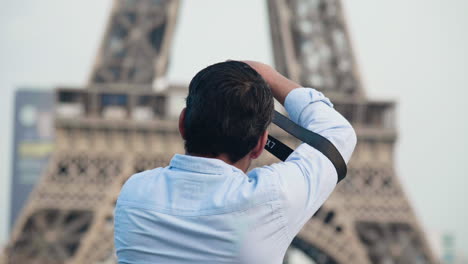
(229, 106)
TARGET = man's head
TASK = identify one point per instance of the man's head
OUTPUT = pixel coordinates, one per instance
(229, 107)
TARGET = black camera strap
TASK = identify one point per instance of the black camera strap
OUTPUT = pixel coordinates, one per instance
(320, 143)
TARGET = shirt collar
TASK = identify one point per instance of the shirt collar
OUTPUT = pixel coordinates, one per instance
(202, 165)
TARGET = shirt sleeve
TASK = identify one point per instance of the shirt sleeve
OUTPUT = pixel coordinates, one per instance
(308, 177)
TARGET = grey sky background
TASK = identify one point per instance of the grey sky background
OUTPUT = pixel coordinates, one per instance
(414, 52)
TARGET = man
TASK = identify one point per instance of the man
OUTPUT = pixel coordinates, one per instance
(204, 207)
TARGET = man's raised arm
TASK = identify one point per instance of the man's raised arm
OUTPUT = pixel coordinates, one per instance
(307, 177)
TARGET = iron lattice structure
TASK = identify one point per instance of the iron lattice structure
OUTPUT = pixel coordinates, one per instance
(120, 125)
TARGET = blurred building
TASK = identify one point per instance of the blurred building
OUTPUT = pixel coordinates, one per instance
(120, 125)
(448, 248)
(33, 138)
(444, 245)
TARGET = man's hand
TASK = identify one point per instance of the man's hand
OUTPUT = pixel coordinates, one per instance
(280, 85)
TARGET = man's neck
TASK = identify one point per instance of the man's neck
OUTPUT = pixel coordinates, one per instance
(243, 164)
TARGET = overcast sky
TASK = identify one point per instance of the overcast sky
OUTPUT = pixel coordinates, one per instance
(414, 52)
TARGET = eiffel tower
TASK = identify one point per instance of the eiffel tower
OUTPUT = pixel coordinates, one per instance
(120, 125)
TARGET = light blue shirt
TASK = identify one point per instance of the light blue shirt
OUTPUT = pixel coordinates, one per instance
(202, 210)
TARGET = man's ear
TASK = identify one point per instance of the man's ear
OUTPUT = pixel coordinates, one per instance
(181, 123)
(258, 150)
